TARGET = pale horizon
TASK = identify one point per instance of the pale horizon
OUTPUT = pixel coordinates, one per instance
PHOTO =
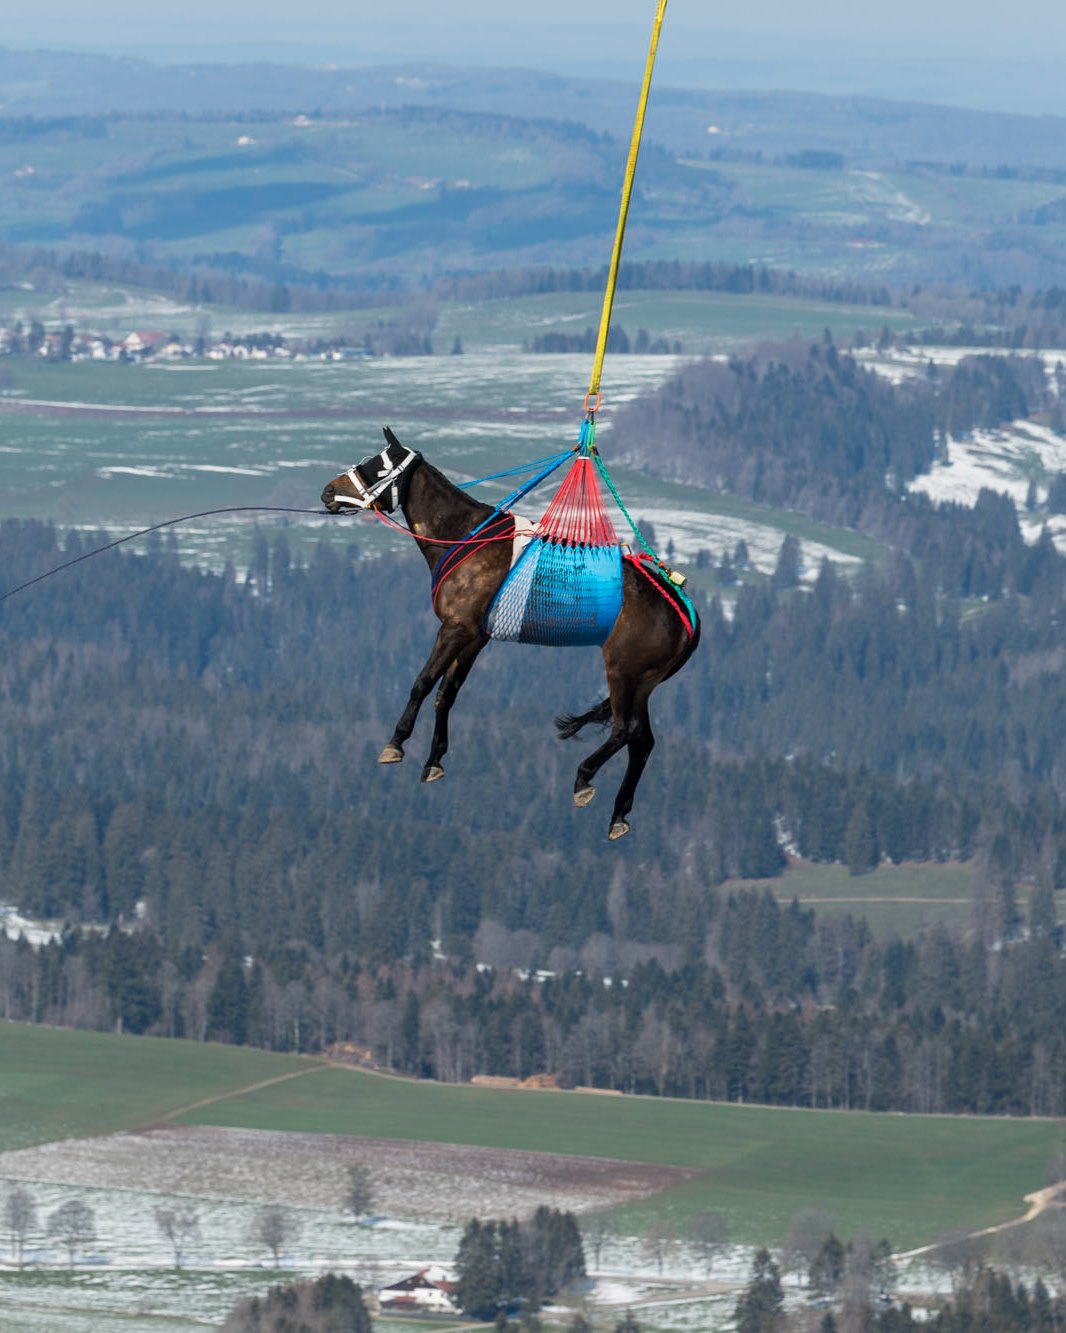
(985, 56)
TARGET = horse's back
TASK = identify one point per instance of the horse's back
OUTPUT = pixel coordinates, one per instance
(657, 630)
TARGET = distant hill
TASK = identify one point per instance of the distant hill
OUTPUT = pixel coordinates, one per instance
(868, 131)
(395, 197)
(395, 177)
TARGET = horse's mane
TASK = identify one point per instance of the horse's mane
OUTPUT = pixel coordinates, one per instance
(478, 509)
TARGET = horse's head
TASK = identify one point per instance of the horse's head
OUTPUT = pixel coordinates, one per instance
(379, 481)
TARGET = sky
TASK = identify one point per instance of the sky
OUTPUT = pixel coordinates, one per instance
(988, 50)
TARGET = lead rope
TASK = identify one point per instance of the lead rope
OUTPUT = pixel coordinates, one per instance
(169, 523)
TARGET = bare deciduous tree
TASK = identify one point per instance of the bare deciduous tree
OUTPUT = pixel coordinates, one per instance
(867, 1273)
(20, 1220)
(709, 1234)
(73, 1224)
(958, 1255)
(595, 1228)
(274, 1227)
(659, 1239)
(180, 1224)
(807, 1233)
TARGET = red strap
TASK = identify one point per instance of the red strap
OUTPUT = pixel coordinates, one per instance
(657, 584)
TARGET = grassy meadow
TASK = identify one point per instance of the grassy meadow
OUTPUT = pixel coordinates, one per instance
(59, 1084)
(907, 1177)
(703, 322)
(910, 1178)
(893, 899)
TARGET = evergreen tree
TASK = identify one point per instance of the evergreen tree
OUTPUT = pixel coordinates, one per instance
(761, 1307)
(860, 841)
(786, 573)
(227, 1006)
(479, 1285)
(827, 1269)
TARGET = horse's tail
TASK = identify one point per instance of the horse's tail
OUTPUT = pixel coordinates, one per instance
(569, 724)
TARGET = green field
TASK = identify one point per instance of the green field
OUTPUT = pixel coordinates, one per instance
(701, 321)
(900, 899)
(907, 1177)
(893, 899)
(58, 1084)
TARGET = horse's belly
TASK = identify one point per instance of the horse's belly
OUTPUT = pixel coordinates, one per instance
(557, 595)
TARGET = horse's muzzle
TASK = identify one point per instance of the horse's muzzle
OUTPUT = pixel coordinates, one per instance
(329, 498)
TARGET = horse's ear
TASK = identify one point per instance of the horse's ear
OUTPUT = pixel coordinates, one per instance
(389, 437)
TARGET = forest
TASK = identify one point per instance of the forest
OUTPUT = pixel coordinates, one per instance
(189, 779)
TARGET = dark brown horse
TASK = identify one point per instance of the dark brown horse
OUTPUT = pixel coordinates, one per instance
(650, 640)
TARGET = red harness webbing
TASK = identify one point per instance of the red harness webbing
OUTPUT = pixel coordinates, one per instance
(661, 586)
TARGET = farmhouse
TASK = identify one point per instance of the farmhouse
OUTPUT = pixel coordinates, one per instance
(429, 1291)
(143, 342)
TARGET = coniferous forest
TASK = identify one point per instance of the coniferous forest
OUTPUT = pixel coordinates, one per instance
(188, 763)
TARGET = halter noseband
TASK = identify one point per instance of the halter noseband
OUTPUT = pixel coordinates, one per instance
(391, 476)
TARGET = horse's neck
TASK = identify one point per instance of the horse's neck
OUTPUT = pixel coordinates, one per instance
(436, 508)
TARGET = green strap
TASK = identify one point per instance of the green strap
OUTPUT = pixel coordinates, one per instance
(618, 501)
(679, 592)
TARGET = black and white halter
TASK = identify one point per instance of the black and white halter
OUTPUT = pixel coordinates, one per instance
(381, 480)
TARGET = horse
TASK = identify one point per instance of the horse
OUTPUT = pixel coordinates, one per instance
(650, 640)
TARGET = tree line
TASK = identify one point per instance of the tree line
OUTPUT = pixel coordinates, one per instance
(72, 1226)
(989, 1301)
(170, 772)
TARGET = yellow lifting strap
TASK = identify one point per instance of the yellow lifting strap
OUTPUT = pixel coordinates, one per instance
(627, 190)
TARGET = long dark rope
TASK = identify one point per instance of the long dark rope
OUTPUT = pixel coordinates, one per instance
(169, 523)
(555, 460)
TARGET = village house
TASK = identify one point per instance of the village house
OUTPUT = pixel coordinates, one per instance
(429, 1291)
(143, 342)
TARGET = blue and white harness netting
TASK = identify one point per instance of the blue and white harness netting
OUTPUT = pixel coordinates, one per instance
(565, 589)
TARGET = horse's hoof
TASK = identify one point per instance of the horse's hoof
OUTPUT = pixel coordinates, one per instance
(392, 754)
(619, 829)
(432, 772)
(583, 796)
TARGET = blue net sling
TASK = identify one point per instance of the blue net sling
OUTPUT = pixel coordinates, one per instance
(565, 589)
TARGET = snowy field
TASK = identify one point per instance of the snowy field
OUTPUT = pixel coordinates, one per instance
(124, 447)
(121, 448)
(423, 1194)
(1007, 460)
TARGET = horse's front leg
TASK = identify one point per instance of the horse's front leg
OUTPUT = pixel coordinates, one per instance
(449, 642)
(446, 695)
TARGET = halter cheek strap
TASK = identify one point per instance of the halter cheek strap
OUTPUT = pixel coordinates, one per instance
(389, 478)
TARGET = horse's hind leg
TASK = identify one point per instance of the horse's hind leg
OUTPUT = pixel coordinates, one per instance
(584, 791)
(451, 639)
(641, 744)
(446, 695)
(631, 728)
